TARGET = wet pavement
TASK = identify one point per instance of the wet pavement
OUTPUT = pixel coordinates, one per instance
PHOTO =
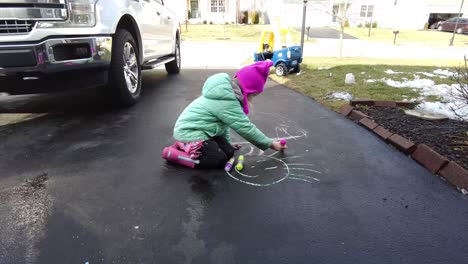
(86, 183)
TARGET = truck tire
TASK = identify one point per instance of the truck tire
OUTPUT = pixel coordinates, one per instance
(173, 67)
(281, 69)
(125, 71)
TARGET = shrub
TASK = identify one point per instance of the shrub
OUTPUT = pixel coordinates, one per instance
(346, 23)
(211, 22)
(374, 24)
(245, 17)
(256, 19)
(360, 25)
(204, 22)
(461, 94)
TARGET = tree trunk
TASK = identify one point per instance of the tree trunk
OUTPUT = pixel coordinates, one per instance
(341, 43)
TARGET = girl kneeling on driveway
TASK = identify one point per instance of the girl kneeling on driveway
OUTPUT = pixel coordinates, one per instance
(202, 131)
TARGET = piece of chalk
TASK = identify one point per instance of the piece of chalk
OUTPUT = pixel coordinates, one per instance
(283, 142)
(240, 163)
(229, 164)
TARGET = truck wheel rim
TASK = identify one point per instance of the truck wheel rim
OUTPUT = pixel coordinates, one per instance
(130, 67)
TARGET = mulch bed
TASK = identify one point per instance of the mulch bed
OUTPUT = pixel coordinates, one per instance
(448, 137)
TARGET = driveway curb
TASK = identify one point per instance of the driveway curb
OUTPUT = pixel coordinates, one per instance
(434, 162)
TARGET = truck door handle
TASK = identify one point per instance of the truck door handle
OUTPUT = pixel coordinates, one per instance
(157, 12)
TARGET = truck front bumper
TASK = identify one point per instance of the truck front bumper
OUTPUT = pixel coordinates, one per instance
(56, 62)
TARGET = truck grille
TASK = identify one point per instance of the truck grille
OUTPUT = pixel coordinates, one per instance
(10, 27)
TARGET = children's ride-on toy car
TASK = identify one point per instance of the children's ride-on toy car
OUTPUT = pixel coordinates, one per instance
(286, 58)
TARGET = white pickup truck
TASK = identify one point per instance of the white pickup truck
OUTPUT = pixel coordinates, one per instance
(47, 45)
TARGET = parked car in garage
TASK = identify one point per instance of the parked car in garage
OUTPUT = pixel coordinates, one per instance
(450, 24)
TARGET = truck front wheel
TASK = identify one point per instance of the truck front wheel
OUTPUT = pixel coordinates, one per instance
(125, 71)
(173, 67)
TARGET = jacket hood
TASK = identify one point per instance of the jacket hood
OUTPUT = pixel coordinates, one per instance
(218, 87)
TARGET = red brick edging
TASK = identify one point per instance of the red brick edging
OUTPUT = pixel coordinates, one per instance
(424, 155)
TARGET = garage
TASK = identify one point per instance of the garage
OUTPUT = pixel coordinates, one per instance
(435, 18)
(441, 10)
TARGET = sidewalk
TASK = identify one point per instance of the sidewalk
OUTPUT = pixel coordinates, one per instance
(231, 55)
(364, 48)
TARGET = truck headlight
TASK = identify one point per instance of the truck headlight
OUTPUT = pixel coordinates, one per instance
(82, 13)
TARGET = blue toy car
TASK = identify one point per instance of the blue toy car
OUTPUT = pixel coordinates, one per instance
(286, 59)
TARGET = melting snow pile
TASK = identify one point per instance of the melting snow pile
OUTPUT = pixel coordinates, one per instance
(427, 87)
(340, 96)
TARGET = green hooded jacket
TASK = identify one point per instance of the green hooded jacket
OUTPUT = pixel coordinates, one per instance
(214, 113)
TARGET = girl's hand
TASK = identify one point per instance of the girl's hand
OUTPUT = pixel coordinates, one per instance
(276, 145)
(236, 146)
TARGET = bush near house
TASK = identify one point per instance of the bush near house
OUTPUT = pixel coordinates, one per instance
(346, 23)
(374, 24)
(245, 17)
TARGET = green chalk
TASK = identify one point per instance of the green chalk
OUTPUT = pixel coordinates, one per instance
(240, 163)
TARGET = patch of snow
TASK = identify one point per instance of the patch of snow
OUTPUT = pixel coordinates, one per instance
(363, 72)
(371, 81)
(349, 78)
(442, 108)
(340, 96)
(323, 68)
(446, 73)
(427, 74)
(392, 72)
(427, 87)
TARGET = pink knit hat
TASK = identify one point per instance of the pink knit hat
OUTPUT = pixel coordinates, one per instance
(252, 79)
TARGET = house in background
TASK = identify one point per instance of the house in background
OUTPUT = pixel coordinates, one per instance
(402, 14)
(216, 11)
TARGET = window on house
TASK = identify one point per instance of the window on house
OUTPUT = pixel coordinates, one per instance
(367, 10)
(217, 5)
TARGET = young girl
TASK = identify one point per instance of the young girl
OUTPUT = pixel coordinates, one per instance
(202, 130)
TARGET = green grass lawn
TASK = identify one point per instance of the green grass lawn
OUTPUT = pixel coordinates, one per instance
(318, 83)
(229, 32)
(410, 37)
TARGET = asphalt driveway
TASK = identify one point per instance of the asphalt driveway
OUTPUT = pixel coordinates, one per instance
(325, 32)
(99, 192)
